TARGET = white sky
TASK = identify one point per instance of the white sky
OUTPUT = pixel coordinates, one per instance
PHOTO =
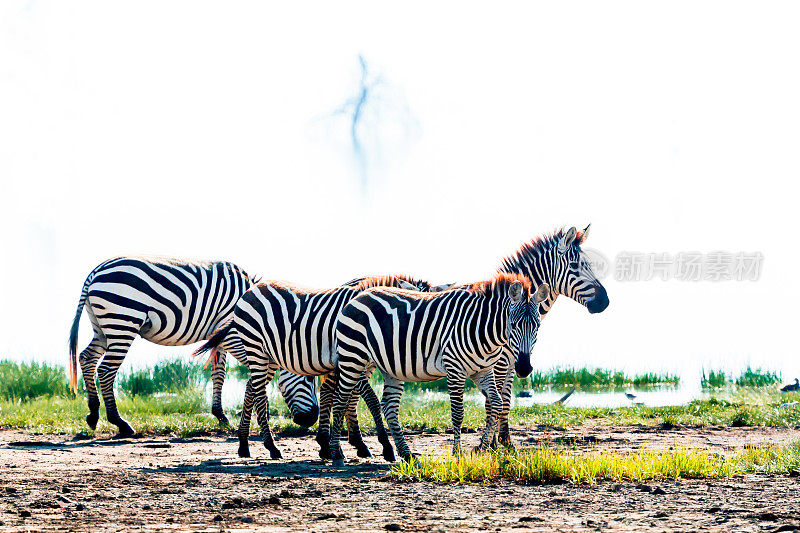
(204, 130)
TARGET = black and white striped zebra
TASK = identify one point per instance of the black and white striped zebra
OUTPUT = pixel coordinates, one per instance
(278, 325)
(558, 261)
(171, 302)
(457, 334)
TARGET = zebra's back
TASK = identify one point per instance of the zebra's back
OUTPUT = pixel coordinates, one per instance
(181, 301)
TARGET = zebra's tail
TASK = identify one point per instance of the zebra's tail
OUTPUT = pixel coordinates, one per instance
(73, 338)
(212, 345)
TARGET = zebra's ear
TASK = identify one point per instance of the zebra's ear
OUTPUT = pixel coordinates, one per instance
(542, 293)
(407, 286)
(585, 234)
(442, 287)
(515, 291)
(566, 240)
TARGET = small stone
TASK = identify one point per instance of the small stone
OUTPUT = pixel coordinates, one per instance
(616, 487)
(644, 488)
(659, 491)
(247, 519)
(325, 516)
(25, 513)
(11, 490)
(170, 520)
(79, 507)
(392, 527)
(146, 507)
(227, 505)
(714, 509)
(274, 500)
(217, 518)
(65, 490)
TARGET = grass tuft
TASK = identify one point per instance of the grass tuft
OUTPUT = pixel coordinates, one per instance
(584, 378)
(24, 381)
(750, 377)
(545, 464)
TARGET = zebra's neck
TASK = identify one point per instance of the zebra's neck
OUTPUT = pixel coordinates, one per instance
(537, 263)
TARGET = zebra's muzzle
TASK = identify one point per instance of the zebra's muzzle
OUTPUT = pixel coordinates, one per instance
(306, 419)
(599, 303)
(523, 365)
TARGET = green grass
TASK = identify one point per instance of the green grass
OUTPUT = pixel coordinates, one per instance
(748, 378)
(546, 464)
(184, 414)
(30, 380)
(167, 376)
(746, 408)
(584, 378)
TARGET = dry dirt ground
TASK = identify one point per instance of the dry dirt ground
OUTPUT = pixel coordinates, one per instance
(52, 482)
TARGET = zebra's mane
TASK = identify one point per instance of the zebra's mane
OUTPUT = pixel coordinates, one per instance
(499, 285)
(367, 282)
(530, 251)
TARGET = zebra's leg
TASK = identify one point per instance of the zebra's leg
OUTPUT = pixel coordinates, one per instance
(326, 393)
(455, 384)
(392, 392)
(341, 400)
(88, 360)
(506, 393)
(493, 406)
(261, 377)
(354, 436)
(218, 379)
(365, 391)
(107, 372)
(244, 421)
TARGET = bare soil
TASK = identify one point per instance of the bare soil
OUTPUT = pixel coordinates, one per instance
(51, 482)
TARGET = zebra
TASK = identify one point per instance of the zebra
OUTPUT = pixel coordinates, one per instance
(558, 261)
(279, 325)
(172, 302)
(457, 334)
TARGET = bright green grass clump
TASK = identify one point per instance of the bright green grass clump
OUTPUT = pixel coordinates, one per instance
(544, 464)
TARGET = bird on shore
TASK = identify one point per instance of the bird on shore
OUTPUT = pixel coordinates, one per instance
(794, 387)
(630, 396)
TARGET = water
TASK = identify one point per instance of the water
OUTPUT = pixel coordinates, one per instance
(656, 397)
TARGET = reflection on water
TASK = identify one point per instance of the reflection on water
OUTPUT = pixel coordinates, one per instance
(233, 396)
(655, 397)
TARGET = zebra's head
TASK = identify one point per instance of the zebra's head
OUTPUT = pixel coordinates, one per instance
(523, 324)
(300, 393)
(572, 275)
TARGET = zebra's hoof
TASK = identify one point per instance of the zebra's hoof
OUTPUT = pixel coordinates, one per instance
(338, 463)
(92, 419)
(224, 422)
(275, 453)
(363, 452)
(324, 451)
(244, 451)
(125, 431)
(388, 454)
